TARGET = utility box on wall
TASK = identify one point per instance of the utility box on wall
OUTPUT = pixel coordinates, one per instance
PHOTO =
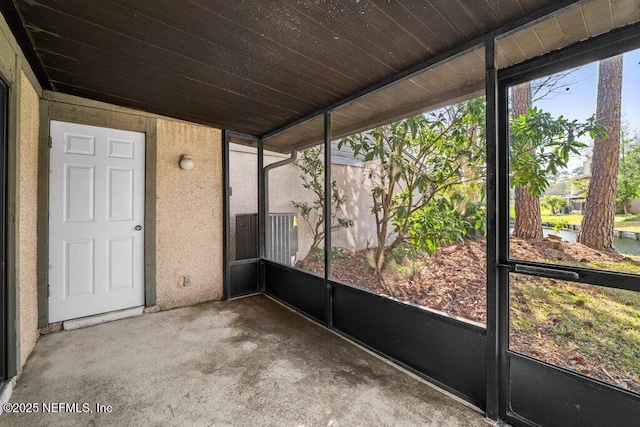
(282, 237)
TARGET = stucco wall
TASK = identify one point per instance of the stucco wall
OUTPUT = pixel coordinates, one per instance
(23, 132)
(189, 215)
(351, 181)
(243, 176)
(28, 214)
(285, 185)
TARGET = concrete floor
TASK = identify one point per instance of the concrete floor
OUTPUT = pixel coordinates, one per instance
(246, 362)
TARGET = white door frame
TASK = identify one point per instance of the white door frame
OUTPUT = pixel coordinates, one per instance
(91, 113)
(96, 220)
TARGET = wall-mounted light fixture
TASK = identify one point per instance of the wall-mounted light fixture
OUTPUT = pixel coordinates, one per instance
(186, 163)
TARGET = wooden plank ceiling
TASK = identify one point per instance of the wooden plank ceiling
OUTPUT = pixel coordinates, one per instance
(254, 66)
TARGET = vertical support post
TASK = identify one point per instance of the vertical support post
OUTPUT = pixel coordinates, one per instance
(226, 208)
(502, 243)
(43, 217)
(6, 287)
(262, 203)
(327, 217)
(493, 316)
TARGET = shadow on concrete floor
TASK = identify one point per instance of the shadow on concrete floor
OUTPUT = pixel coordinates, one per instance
(245, 362)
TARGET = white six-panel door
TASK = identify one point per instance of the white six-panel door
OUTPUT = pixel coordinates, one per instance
(96, 219)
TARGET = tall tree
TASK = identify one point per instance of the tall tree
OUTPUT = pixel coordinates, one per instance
(528, 221)
(540, 145)
(416, 166)
(596, 230)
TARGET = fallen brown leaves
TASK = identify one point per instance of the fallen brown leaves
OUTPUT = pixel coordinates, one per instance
(453, 281)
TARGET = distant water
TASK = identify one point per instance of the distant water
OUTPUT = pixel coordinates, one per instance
(623, 246)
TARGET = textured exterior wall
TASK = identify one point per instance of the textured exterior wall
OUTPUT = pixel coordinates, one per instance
(243, 179)
(23, 130)
(189, 215)
(285, 185)
(351, 180)
(28, 214)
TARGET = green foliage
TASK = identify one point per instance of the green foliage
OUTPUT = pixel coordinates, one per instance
(311, 165)
(540, 145)
(632, 218)
(403, 252)
(555, 203)
(438, 223)
(560, 225)
(317, 254)
(580, 185)
(419, 166)
(629, 172)
(445, 220)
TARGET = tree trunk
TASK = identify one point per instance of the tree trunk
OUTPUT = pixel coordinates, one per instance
(596, 230)
(528, 223)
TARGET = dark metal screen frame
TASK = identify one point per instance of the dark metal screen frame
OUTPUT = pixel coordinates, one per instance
(4, 229)
(235, 267)
(612, 43)
(497, 405)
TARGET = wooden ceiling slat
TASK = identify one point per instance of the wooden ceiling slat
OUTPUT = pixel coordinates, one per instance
(95, 61)
(573, 25)
(482, 13)
(458, 17)
(528, 7)
(164, 85)
(529, 42)
(126, 101)
(509, 52)
(266, 39)
(246, 51)
(307, 134)
(598, 17)
(166, 96)
(378, 15)
(317, 24)
(155, 42)
(347, 36)
(550, 34)
(420, 93)
(625, 12)
(430, 17)
(507, 10)
(255, 66)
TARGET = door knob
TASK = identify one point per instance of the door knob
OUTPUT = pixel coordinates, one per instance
(138, 227)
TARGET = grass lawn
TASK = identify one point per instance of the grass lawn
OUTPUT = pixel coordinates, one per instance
(588, 329)
(619, 224)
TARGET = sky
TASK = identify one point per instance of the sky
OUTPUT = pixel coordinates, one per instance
(579, 102)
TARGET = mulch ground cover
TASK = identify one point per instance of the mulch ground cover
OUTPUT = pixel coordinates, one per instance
(453, 281)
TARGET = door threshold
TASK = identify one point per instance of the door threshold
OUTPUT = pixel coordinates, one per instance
(84, 322)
